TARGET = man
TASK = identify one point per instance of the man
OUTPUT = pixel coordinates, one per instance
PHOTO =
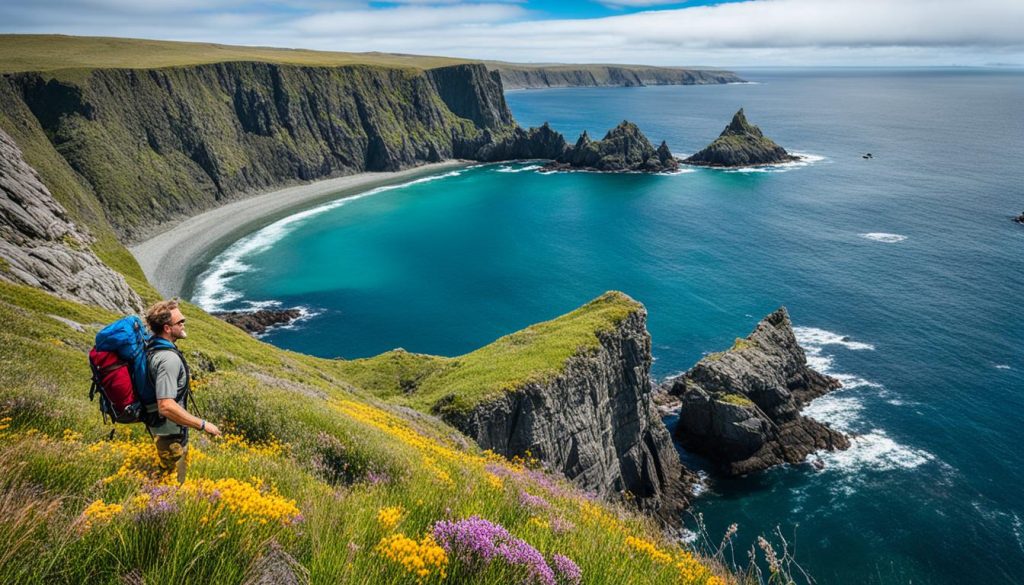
(170, 377)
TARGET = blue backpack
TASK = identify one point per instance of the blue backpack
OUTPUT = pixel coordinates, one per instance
(120, 371)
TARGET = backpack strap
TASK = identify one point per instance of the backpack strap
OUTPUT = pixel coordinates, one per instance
(156, 344)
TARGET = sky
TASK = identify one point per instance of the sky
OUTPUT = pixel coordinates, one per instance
(735, 33)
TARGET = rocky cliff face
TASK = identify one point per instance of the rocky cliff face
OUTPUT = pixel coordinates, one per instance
(741, 144)
(594, 422)
(623, 148)
(159, 144)
(522, 77)
(41, 247)
(741, 407)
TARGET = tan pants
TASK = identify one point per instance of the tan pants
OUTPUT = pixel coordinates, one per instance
(173, 454)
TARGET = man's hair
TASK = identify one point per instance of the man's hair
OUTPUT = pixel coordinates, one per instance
(159, 314)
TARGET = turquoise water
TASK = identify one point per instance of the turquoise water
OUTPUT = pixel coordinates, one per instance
(903, 274)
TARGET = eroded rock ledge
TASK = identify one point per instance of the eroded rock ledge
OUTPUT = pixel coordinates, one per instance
(594, 423)
(741, 407)
(41, 247)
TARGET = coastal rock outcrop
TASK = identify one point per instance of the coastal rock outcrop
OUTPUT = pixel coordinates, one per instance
(623, 148)
(541, 142)
(257, 322)
(594, 422)
(741, 144)
(741, 407)
(41, 247)
(1019, 219)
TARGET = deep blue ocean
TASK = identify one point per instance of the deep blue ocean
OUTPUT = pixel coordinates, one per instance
(904, 274)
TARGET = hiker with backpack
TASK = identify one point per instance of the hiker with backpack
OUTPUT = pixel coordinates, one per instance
(144, 378)
(169, 374)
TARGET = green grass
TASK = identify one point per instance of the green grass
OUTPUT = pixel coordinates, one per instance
(534, 355)
(735, 399)
(306, 435)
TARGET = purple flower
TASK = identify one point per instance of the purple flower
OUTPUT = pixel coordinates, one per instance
(375, 478)
(560, 525)
(476, 540)
(531, 501)
(568, 570)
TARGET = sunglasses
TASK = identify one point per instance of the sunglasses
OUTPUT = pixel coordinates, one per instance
(182, 322)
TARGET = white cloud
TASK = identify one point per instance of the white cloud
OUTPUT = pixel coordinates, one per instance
(755, 32)
(405, 19)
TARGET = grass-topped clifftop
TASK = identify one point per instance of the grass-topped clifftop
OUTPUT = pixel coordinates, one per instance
(316, 478)
(535, 354)
(53, 52)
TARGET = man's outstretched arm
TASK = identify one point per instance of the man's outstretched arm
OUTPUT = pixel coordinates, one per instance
(173, 412)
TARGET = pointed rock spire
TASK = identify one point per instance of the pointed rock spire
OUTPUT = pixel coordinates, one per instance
(741, 144)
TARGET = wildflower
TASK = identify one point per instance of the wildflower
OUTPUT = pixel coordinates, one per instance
(560, 525)
(420, 559)
(568, 570)
(389, 516)
(528, 500)
(648, 548)
(494, 481)
(245, 499)
(99, 512)
(475, 540)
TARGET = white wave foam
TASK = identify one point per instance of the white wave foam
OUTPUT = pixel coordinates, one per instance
(212, 290)
(883, 237)
(681, 171)
(812, 336)
(806, 159)
(509, 169)
(842, 412)
(1002, 367)
(876, 451)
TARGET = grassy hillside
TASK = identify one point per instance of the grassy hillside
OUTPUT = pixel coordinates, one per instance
(315, 475)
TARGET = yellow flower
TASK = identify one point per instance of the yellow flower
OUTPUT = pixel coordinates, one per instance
(420, 559)
(99, 512)
(390, 516)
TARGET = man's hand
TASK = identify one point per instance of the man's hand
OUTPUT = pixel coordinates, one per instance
(212, 429)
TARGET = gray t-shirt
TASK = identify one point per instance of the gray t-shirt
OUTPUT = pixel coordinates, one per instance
(169, 375)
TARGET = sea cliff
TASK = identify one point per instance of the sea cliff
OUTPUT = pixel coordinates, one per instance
(520, 76)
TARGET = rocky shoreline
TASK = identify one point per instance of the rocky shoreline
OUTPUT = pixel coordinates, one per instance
(257, 322)
(740, 408)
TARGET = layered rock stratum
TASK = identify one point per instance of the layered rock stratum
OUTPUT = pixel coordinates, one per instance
(623, 149)
(741, 144)
(41, 247)
(741, 407)
(594, 422)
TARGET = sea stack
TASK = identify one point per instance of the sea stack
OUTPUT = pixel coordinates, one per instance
(741, 407)
(623, 149)
(741, 144)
